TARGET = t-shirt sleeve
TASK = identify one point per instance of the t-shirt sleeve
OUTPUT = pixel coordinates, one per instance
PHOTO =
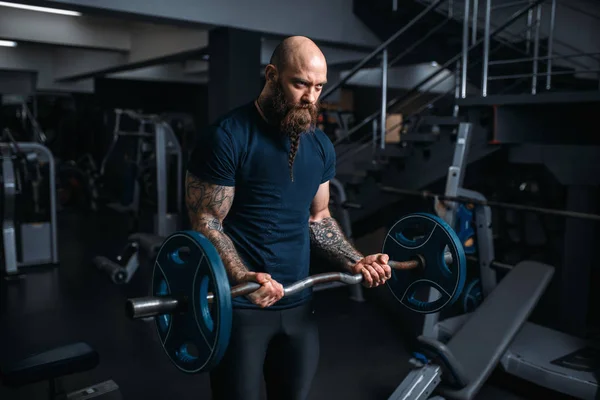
(329, 172)
(214, 158)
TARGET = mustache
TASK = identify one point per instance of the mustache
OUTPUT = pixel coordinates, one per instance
(292, 117)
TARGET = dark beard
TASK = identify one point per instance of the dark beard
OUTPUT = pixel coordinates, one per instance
(293, 119)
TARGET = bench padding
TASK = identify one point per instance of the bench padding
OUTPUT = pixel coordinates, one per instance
(480, 343)
(60, 361)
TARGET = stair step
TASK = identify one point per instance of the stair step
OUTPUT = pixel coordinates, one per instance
(395, 151)
(369, 166)
(440, 120)
(352, 179)
(420, 137)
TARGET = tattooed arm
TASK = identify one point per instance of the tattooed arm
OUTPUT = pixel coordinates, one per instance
(326, 236)
(327, 239)
(208, 206)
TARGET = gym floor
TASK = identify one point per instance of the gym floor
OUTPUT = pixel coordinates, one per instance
(362, 353)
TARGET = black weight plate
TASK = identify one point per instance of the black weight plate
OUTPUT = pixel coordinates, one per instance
(427, 237)
(188, 267)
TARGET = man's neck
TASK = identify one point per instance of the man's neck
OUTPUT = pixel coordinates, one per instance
(258, 103)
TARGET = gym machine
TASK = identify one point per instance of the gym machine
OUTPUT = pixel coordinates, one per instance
(543, 356)
(165, 223)
(21, 119)
(154, 144)
(459, 368)
(128, 261)
(457, 365)
(27, 243)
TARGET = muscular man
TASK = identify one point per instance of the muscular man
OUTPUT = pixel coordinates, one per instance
(257, 186)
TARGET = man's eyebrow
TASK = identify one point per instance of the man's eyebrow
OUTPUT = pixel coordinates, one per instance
(298, 79)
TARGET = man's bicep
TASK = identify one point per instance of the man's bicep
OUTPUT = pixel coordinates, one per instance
(330, 162)
(215, 157)
(319, 208)
(205, 199)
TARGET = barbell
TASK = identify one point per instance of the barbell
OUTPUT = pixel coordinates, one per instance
(191, 297)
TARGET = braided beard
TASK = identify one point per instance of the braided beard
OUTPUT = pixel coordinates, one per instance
(293, 119)
(294, 145)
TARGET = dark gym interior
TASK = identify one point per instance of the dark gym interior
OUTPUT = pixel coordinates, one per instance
(478, 118)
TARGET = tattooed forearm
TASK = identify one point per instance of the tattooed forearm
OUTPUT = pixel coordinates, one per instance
(327, 239)
(231, 260)
(208, 206)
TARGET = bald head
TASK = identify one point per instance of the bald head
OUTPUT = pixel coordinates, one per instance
(295, 78)
(297, 52)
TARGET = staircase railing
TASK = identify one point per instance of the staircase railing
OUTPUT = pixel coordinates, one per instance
(460, 60)
(462, 57)
(366, 141)
(383, 50)
(531, 36)
(535, 60)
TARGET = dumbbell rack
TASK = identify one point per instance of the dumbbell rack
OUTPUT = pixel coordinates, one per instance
(39, 243)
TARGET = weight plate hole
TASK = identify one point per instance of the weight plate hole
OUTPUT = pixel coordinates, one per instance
(434, 294)
(181, 255)
(163, 320)
(446, 263)
(205, 305)
(413, 234)
(425, 294)
(187, 352)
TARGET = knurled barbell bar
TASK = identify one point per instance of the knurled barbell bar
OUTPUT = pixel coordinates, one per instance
(191, 295)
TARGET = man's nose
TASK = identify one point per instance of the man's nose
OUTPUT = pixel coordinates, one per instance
(309, 97)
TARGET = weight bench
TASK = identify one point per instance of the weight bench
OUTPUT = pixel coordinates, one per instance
(56, 363)
(462, 366)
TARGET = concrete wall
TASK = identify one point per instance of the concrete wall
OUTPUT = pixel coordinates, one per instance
(41, 60)
(17, 82)
(330, 20)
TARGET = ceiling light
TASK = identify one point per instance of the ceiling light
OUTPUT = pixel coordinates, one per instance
(7, 43)
(42, 9)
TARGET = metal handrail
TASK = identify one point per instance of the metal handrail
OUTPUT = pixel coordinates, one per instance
(364, 142)
(379, 49)
(343, 156)
(39, 135)
(528, 59)
(531, 74)
(519, 35)
(556, 40)
(391, 103)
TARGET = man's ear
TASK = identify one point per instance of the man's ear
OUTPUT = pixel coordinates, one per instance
(271, 73)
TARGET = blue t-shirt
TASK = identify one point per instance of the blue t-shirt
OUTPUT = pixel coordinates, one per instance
(268, 220)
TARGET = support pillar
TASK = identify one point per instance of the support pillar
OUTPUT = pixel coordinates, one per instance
(234, 69)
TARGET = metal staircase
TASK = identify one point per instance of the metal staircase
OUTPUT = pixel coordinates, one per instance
(482, 58)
